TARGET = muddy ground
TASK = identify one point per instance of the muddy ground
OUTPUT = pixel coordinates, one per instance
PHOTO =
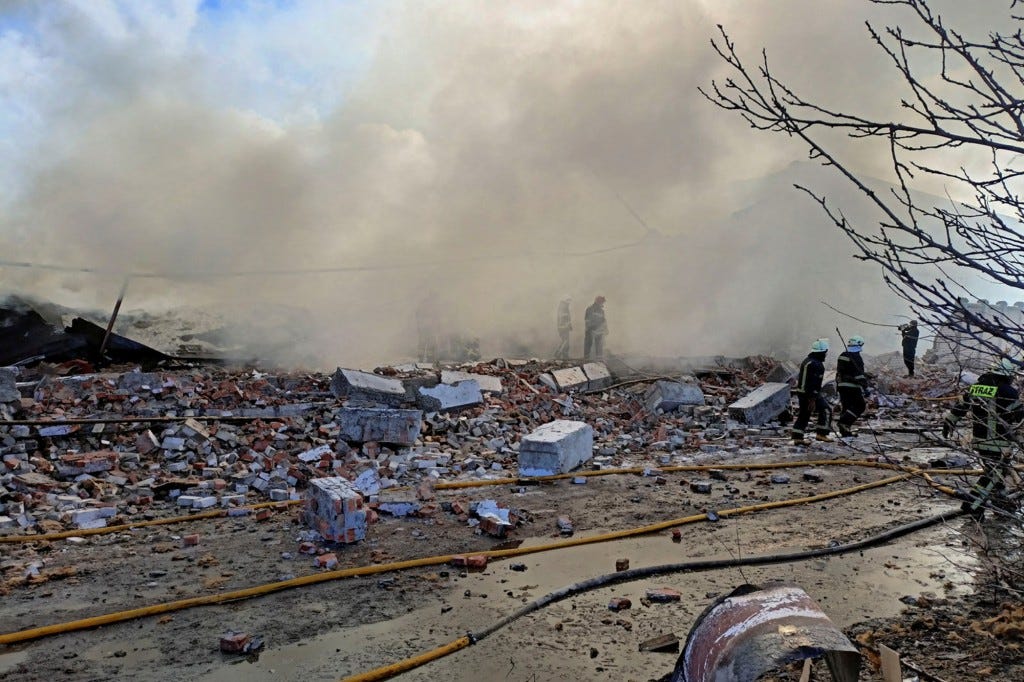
(330, 630)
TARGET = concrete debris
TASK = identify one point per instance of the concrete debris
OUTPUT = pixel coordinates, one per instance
(570, 379)
(9, 392)
(556, 448)
(365, 424)
(334, 509)
(762, 405)
(598, 376)
(669, 396)
(450, 397)
(487, 383)
(353, 385)
(784, 373)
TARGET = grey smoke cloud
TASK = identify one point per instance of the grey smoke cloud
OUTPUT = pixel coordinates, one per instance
(483, 146)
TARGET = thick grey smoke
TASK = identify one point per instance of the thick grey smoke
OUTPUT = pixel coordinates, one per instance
(489, 159)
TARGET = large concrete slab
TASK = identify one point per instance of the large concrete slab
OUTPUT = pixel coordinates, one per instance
(598, 376)
(334, 509)
(450, 397)
(351, 384)
(761, 405)
(556, 448)
(570, 379)
(488, 384)
(669, 396)
(384, 425)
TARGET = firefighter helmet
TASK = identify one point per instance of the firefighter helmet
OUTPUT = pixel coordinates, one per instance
(855, 343)
(820, 346)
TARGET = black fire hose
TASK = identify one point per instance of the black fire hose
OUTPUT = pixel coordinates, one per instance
(600, 581)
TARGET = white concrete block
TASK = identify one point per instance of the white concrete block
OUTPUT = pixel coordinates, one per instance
(669, 396)
(488, 384)
(448, 397)
(598, 376)
(570, 379)
(761, 405)
(556, 448)
(355, 385)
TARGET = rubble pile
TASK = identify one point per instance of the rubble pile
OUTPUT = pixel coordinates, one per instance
(219, 439)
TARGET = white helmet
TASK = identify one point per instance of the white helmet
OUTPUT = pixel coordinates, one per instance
(820, 346)
(1005, 367)
(855, 343)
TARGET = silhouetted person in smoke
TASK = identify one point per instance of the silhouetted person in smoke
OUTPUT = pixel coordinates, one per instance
(427, 330)
(564, 323)
(596, 330)
(910, 336)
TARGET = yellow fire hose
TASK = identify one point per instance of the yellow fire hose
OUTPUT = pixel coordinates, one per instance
(458, 485)
(259, 590)
(393, 669)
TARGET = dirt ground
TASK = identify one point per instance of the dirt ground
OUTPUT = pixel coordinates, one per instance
(342, 627)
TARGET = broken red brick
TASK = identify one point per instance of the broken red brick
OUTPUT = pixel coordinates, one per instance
(622, 564)
(619, 604)
(263, 514)
(677, 535)
(232, 642)
(307, 548)
(494, 527)
(190, 540)
(328, 561)
(663, 595)
(472, 561)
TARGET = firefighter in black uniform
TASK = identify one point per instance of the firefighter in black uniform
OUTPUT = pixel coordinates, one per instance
(852, 383)
(996, 413)
(911, 334)
(808, 394)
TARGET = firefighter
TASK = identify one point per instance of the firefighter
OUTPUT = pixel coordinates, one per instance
(808, 393)
(996, 413)
(853, 385)
(564, 322)
(911, 334)
(596, 328)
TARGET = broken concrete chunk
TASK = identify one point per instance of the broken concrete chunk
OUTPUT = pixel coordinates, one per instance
(669, 396)
(783, 373)
(701, 487)
(334, 509)
(135, 381)
(814, 475)
(570, 379)
(350, 384)
(449, 397)
(364, 424)
(598, 376)
(761, 405)
(556, 448)
(9, 392)
(488, 384)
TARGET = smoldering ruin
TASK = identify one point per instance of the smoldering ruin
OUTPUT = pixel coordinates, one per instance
(281, 385)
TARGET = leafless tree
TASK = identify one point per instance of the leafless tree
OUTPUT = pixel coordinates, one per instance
(961, 100)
